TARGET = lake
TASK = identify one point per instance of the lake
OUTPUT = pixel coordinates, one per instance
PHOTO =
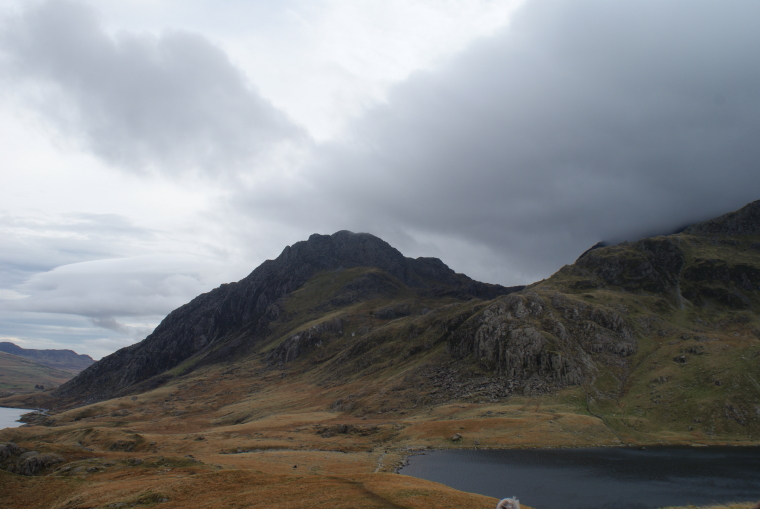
(599, 478)
(9, 416)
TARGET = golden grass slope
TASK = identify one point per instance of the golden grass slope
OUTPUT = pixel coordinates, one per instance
(178, 446)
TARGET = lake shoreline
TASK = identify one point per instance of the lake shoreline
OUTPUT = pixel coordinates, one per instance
(7, 415)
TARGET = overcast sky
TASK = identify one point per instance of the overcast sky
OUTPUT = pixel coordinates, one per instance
(152, 150)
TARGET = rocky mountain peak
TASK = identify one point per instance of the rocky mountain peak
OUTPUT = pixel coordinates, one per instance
(345, 249)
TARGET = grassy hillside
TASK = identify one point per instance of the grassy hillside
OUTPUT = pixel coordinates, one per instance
(18, 374)
(694, 374)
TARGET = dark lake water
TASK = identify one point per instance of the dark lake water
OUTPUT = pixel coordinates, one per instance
(9, 416)
(599, 478)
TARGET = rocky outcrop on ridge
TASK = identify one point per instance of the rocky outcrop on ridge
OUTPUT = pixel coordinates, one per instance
(224, 322)
(652, 265)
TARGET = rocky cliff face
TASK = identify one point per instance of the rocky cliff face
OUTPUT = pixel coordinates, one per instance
(531, 342)
(227, 321)
(592, 316)
(558, 340)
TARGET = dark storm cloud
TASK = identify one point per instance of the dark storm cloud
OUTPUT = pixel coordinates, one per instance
(173, 101)
(585, 120)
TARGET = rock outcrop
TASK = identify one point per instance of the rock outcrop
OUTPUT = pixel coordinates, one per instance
(304, 341)
(523, 336)
(18, 460)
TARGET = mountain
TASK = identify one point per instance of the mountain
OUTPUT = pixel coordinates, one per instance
(67, 360)
(655, 332)
(19, 374)
(229, 321)
(312, 379)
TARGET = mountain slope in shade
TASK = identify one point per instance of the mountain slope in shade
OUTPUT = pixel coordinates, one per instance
(19, 374)
(60, 359)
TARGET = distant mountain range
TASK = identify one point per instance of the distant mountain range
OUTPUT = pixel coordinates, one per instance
(59, 359)
(660, 333)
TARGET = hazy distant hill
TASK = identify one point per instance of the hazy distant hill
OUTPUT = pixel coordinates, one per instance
(60, 359)
(18, 374)
(658, 334)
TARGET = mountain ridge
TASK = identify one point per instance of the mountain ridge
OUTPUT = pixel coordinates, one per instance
(67, 360)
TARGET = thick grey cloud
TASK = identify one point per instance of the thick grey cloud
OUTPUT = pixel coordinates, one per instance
(585, 120)
(173, 101)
